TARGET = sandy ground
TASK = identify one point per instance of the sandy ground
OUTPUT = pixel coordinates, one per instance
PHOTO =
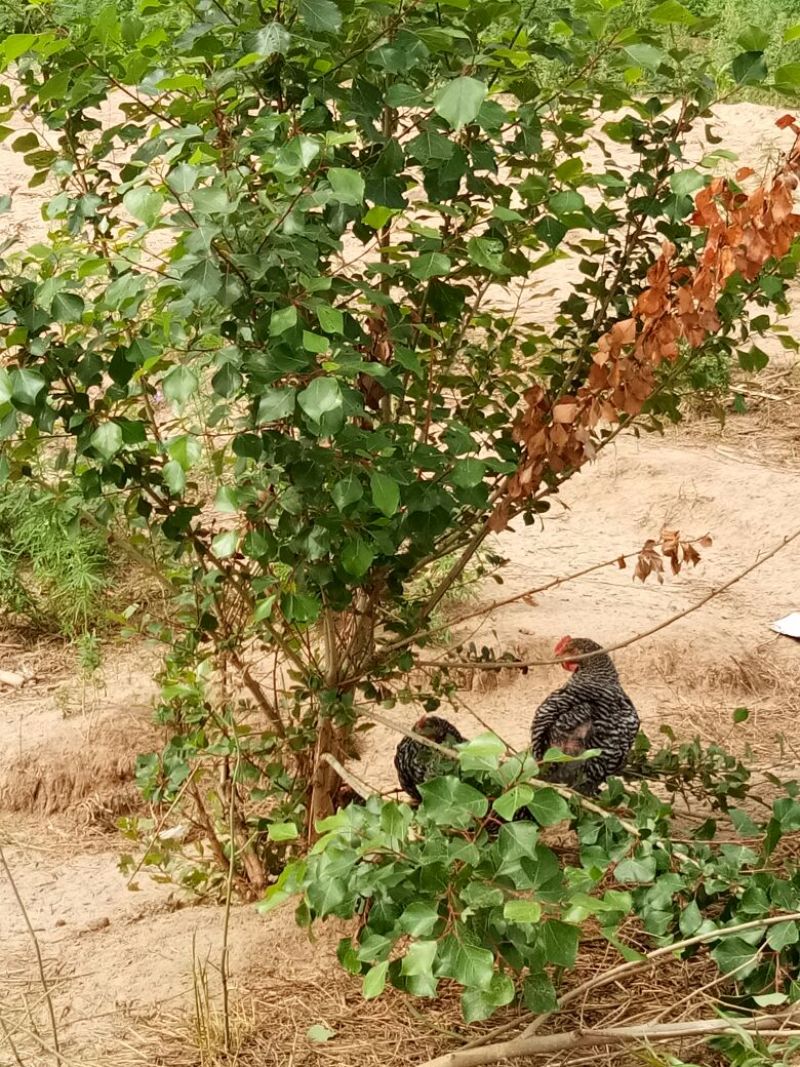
(125, 961)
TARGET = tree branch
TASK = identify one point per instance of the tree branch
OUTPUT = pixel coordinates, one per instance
(510, 664)
(623, 970)
(547, 1044)
(489, 608)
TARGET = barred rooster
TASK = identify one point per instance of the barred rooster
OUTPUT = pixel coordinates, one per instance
(417, 763)
(591, 711)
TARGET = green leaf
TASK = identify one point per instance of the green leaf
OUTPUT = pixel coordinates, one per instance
(787, 77)
(174, 477)
(322, 397)
(568, 200)
(686, 182)
(67, 307)
(6, 386)
(347, 185)
(646, 55)
(378, 216)
(549, 807)
(272, 39)
(357, 557)
(430, 145)
(282, 320)
(510, 802)
(749, 68)
(691, 919)
(203, 281)
(559, 941)
(419, 919)
(470, 965)
(447, 801)
(743, 823)
(179, 384)
(331, 320)
(16, 45)
(770, 1000)
(735, 954)
(430, 265)
(226, 500)
(740, 715)
(782, 935)
(26, 385)
(539, 994)
(315, 342)
(550, 230)
(636, 870)
(385, 493)
(482, 753)
(282, 831)
(264, 608)
(225, 543)
(477, 1004)
(275, 404)
(144, 204)
(185, 450)
(347, 491)
(522, 911)
(459, 101)
(319, 1033)
(671, 13)
(754, 39)
(320, 15)
(792, 33)
(417, 964)
(468, 473)
(301, 608)
(374, 981)
(182, 178)
(107, 439)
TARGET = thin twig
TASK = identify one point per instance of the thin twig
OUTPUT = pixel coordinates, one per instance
(623, 970)
(359, 787)
(161, 823)
(505, 601)
(39, 960)
(10, 1042)
(511, 664)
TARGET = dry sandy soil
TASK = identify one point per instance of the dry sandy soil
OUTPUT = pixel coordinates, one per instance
(125, 962)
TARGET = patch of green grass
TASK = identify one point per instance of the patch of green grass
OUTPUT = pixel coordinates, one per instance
(52, 569)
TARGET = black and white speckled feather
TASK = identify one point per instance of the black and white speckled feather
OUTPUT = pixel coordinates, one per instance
(417, 763)
(591, 711)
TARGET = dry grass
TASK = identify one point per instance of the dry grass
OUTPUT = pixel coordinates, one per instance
(768, 432)
(95, 780)
(272, 1014)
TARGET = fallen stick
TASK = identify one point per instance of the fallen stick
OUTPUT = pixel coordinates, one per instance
(548, 1044)
(16, 681)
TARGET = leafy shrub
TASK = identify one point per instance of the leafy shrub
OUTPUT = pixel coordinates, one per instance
(458, 890)
(275, 332)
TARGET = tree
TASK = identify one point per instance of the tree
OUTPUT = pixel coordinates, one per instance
(269, 338)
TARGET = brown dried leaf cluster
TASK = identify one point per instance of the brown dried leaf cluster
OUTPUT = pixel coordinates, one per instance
(672, 549)
(743, 231)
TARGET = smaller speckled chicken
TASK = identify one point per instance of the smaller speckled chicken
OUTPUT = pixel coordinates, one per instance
(591, 711)
(417, 763)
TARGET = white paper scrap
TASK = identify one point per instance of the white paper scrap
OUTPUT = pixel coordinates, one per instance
(790, 625)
